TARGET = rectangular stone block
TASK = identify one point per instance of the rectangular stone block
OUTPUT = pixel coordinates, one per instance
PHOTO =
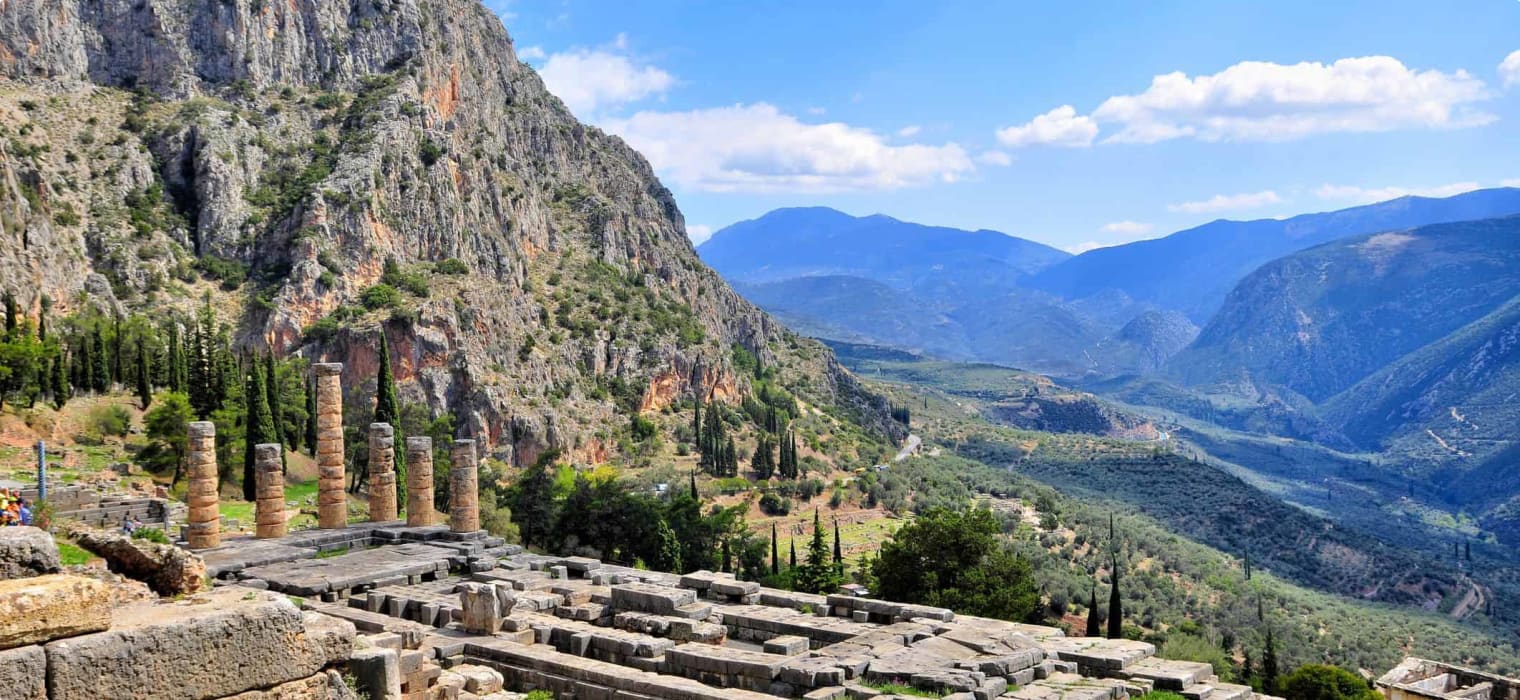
(220, 643)
(54, 606)
(650, 598)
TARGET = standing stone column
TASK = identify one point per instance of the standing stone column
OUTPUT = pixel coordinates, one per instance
(382, 472)
(205, 518)
(419, 481)
(464, 503)
(332, 503)
(269, 509)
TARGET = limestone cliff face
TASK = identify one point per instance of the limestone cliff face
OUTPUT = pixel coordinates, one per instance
(305, 142)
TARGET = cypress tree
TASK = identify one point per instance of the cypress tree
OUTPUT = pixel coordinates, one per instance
(118, 377)
(819, 574)
(101, 372)
(1094, 627)
(86, 364)
(60, 380)
(1248, 565)
(144, 384)
(775, 556)
(694, 495)
(388, 410)
(11, 312)
(47, 305)
(272, 389)
(696, 423)
(1115, 607)
(793, 543)
(728, 563)
(1269, 666)
(311, 416)
(257, 428)
(838, 551)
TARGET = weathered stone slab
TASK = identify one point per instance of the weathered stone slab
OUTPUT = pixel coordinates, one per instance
(651, 598)
(23, 673)
(220, 643)
(705, 658)
(1170, 675)
(54, 606)
(27, 551)
(377, 673)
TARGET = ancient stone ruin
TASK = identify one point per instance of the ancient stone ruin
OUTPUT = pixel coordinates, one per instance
(421, 611)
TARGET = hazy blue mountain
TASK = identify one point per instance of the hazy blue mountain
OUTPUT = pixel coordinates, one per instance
(1192, 271)
(804, 242)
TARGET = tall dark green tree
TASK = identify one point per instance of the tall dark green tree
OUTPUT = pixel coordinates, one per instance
(42, 318)
(258, 428)
(1269, 670)
(1115, 604)
(311, 416)
(775, 556)
(61, 389)
(100, 373)
(275, 401)
(388, 410)
(696, 421)
(838, 551)
(12, 313)
(144, 379)
(118, 373)
(1094, 625)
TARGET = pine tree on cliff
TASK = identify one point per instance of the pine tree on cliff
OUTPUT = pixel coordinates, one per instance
(257, 428)
(1248, 565)
(775, 555)
(388, 410)
(144, 381)
(1094, 626)
(86, 366)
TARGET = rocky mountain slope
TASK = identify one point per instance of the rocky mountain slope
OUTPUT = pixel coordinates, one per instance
(1192, 271)
(275, 155)
(1321, 320)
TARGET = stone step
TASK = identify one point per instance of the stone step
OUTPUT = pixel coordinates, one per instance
(1169, 675)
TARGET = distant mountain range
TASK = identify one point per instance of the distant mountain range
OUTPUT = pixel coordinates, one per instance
(988, 296)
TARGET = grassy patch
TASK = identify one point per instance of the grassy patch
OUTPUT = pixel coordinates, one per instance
(332, 553)
(897, 689)
(71, 555)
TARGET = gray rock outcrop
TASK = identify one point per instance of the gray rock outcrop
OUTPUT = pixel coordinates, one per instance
(27, 551)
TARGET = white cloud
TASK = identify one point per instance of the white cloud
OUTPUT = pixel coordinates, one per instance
(1058, 127)
(531, 53)
(909, 131)
(995, 158)
(698, 233)
(1368, 195)
(1227, 202)
(758, 148)
(1511, 182)
(588, 80)
(1259, 101)
(1128, 228)
(1509, 69)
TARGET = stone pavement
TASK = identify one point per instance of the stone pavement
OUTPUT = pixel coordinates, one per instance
(581, 628)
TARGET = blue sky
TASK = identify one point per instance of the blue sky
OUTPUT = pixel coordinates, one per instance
(1073, 124)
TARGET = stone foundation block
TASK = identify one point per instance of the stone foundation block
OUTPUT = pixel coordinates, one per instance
(45, 608)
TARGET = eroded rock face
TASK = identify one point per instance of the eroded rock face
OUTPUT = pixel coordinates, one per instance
(27, 551)
(167, 569)
(216, 644)
(420, 138)
(38, 609)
